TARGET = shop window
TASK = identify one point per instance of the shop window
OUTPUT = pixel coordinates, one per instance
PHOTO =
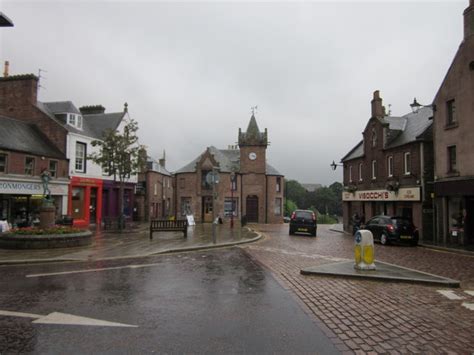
(360, 171)
(53, 168)
(277, 206)
(81, 157)
(29, 166)
(452, 163)
(374, 169)
(390, 165)
(278, 184)
(186, 206)
(230, 207)
(407, 163)
(456, 213)
(78, 203)
(3, 163)
(450, 113)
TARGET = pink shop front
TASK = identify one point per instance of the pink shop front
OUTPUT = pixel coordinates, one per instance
(110, 199)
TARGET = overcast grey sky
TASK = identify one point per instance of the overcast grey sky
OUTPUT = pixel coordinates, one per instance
(191, 71)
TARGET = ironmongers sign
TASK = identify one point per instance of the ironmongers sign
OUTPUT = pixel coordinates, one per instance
(30, 188)
(403, 194)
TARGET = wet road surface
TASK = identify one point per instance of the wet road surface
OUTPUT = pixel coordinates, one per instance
(216, 301)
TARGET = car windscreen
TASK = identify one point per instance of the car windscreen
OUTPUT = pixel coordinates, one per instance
(401, 222)
(304, 214)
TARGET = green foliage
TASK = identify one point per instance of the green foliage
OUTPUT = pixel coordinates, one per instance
(326, 219)
(290, 206)
(44, 231)
(296, 193)
(119, 153)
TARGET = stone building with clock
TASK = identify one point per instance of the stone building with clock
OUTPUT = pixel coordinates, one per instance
(248, 185)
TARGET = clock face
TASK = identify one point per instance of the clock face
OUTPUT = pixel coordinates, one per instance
(252, 156)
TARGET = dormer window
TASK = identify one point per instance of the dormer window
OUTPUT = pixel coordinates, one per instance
(74, 120)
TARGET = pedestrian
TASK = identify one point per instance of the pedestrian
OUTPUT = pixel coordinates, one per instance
(355, 222)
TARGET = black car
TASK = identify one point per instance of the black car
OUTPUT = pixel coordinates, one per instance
(386, 229)
(303, 221)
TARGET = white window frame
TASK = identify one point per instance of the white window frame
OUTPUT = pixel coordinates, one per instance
(53, 172)
(406, 159)
(360, 171)
(390, 165)
(79, 121)
(71, 119)
(374, 168)
(80, 160)
(33, 163)
(278, 206)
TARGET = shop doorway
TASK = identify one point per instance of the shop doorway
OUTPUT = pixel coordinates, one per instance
(207, 209)
(252, 209)
(93, 205)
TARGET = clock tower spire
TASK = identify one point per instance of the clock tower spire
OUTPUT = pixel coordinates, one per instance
(253, 145)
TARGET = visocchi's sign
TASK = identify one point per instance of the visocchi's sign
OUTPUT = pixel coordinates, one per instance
(403, 194)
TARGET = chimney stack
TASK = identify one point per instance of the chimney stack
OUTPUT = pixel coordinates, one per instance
(469, 20)
(7, 65)
(162, 161)
(377, 109)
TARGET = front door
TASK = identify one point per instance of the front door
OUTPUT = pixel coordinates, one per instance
(252, 209)
(207, 209)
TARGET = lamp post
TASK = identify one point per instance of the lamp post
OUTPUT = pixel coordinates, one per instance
(334, 165)
(213, 178)
(232, 181)
(415, 106)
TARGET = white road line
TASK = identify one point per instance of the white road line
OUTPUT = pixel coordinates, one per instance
(469, 306)
(450, 295)
(470, 293)
(19, 314)
(92, 270)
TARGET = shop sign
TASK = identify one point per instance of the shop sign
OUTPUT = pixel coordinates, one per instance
(403, 194)
(30, 188)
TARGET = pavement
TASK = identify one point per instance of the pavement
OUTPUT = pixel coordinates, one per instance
(135, 243)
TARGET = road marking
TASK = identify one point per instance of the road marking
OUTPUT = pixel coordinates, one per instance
(470, 293)
(450, 295)
(469, 306)
(65, 319)
(281, 251)
(93, 270)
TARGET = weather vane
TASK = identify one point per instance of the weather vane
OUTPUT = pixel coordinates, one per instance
(254, 109)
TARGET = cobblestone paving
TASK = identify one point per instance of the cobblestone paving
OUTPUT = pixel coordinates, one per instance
(373, 317)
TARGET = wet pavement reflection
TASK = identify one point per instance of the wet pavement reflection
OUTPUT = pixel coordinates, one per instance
(217, 301)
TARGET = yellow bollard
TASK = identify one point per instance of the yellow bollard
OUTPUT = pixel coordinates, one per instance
(364, 250)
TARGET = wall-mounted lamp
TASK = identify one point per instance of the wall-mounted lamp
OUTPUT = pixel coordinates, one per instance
(334, 165)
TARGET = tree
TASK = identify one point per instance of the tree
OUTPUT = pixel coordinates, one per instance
(119, 155)
(296, 193)
(290, 206)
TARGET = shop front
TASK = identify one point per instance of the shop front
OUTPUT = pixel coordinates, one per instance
(111, 191)
(85, 201)
(455, 213)
(21, 198)
(405, 202)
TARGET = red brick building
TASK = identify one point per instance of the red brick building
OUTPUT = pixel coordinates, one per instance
(248, 185)
(154, 197)
(389, 171)
(454, 145)
(25, 152)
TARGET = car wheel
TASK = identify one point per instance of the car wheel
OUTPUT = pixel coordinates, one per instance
(414, 243)
(383, 239)
(291, 232)
(313, 234)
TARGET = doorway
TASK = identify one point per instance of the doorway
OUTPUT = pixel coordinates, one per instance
(207, 209)
(252, 209)
(93, 205)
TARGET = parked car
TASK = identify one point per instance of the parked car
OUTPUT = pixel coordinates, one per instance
(286, 219)
(386, 229)
(303, 221)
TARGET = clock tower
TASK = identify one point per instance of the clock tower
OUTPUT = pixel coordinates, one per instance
(253, 146)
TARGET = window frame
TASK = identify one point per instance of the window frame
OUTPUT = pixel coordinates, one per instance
(350, 173)
(407, 163)
(5, 165)
(451, 113)
(278, 184)
(53, 172)
(84, 158)
(390, 166)
(374, 169)
(33, 161)
(452, 163)
(360, 172)
(278, 204)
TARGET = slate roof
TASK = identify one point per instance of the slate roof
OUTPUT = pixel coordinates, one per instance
(27, 138)
(228, 159)
(93, 125)
(155, 166)
(401, 130)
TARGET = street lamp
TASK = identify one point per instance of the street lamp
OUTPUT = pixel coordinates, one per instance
(213, 178)
(334, 165)
(232, 181)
